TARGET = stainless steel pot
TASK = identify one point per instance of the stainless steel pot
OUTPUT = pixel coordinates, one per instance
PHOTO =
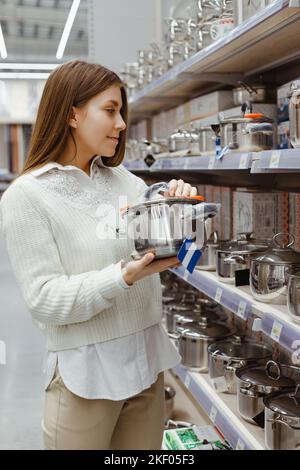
(169, 402)
(161, 225)
(194, 340)
(294, 113)
(236, 256)
(182, 316)
(208, 259)
(207, 140)
(184, 140)
(251, 133)
(282, 420)
(225, 357)
(254, 94)
(255, 382)
(269, 271)
(293, 296)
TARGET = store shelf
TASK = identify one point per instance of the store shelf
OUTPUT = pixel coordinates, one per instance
(222, 411)
(276, 161)
(242, 53)
(273, 161)
(274, 321)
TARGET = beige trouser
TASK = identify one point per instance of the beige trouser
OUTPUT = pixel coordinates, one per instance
(71, 422)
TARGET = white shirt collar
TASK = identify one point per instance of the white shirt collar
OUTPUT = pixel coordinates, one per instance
(49, 166)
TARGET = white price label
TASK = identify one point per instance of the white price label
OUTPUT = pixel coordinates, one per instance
(241, 312)
(211, 162)
(213, 414)
(243, 162)
(187, 380)
(275, 159)
(218, 295)
(276, 330)
(186, 164)
(240, 445)
(219, 384)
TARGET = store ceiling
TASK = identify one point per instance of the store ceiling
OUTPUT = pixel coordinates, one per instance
(32, 30)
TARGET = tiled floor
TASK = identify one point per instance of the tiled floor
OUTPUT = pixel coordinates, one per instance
(21, 378)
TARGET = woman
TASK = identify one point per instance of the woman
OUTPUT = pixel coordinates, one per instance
(106, 350)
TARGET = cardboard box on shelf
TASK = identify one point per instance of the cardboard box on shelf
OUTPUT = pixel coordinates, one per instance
(208, 105)
(263, 214)
(283, 101)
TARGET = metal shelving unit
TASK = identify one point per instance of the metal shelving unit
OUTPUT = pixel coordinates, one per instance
(274, 321)
(222, 411)
(239, 55)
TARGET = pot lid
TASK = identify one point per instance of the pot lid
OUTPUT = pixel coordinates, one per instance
(206, 329)
(248, 118)
(269, 375)
(196, 316)
(280, 252)
(286, 403)
(245, 350)
(191, 200)
(181, 135)
(181, 309)
(245, 244)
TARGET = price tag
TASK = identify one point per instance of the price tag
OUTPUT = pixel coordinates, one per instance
(241, 312)
(219, 384)
(243, 162)
(186, 164)
(187, 380)
(211, 162)
(218, 295)
(276, 331)
(213, 414)
(275, 159)
(240, 445)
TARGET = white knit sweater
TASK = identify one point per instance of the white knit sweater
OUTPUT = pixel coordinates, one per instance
(69, 276)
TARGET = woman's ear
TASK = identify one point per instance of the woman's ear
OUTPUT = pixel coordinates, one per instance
(73, 120)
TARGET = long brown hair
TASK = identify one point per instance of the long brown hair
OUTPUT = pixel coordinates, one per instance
(71, 84)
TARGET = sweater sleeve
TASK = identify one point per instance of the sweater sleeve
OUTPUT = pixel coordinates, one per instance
(52, 296)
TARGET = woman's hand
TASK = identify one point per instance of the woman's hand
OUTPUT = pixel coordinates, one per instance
(180, 188)
(135, 270)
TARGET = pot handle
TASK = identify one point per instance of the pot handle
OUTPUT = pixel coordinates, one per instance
(279, 419)
(153, 191)
(205, 210)
(268, 370)
(233, 259)
(283, 245)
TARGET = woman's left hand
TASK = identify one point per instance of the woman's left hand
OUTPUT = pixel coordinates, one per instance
(180, 188)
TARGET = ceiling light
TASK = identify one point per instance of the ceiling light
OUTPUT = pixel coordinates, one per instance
(17, 66)
(24, 75)
(67, 29)
(3, 51)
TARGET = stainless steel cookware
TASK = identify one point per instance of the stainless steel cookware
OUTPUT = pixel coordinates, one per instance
(225, 357)
(208, 259)
(236, 256)
(184, 140)
(282, 420)
(293, 296)
(194, 340)
(269, 271)
(254, 94)
(160, 224)
(251, 133)
(255, 382)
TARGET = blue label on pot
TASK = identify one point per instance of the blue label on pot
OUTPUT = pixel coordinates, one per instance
(189, 255)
